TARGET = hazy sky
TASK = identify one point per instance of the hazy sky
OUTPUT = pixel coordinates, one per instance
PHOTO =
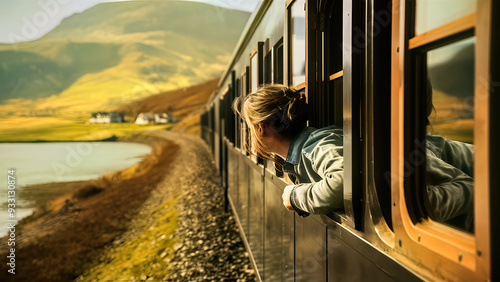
(26, 20)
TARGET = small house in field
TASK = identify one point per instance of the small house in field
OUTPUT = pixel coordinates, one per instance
(106, 117)
(143, 118)
(164, 118)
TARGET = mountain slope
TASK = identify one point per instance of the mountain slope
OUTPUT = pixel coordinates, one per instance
(115, 53)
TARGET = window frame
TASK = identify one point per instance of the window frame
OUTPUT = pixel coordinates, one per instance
(378, 81)
(237, 118)
(244, 130)
(461, 254)
(276, 70)
(289, 47)
(258, 50)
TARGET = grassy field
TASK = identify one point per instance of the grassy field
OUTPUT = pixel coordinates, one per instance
(64, 129)
(452, 119)
(184, 103)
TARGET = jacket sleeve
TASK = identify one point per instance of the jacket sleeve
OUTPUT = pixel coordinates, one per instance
(327, 194)
(449, 190)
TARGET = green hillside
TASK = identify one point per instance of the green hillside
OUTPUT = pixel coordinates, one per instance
(115, 53)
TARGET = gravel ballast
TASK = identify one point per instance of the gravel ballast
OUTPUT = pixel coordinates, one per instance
(209, 246)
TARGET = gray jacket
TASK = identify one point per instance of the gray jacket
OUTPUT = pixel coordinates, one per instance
(450, 183)
(315, 164)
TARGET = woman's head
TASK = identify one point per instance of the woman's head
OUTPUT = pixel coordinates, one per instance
(281, 108)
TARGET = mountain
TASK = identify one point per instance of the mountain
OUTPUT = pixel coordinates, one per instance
(115, 53)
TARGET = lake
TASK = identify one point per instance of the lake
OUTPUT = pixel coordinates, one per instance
(36, 163)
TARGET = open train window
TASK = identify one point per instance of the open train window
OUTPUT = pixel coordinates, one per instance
(256, 80)
(278, 79)
(270, 74)
(268, 64)
(297, 43)
(244, 129)
(442, 58)
(325, 64)
(237, 118)
(333, 68)
(441, 109)
(325, 30)
(377, 119)
(278, 62)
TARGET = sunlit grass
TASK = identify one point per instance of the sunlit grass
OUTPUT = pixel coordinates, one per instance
(144, 256)
(64, 129)
(452, 119)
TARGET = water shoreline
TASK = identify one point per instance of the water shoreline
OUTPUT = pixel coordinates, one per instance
(113, 138)
(36, 184)
(84, 215)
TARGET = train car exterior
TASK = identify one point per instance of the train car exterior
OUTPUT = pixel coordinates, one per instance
(368, 66)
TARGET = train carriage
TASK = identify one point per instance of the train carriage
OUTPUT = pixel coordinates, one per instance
(369, 67)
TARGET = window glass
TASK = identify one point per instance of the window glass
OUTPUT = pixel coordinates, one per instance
(254, 73)
(333, 39)
(450, 152)
(450, 70)
(237, 117)
(431, 14)
(268, 67)
(298, 33)
(278, 63)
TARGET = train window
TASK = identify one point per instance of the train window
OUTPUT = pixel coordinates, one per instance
(253, 86)
(268, 68)
(298, 42)
(440, 108)
(334, 65)
(325, 59)
(377, 121)
(278, 79)
(278, 62)
(244, 129)
(333, 40)
(256, 79)
(450, 153)
(431, 14)
(452, 95)
(253, 75)
(238, 120)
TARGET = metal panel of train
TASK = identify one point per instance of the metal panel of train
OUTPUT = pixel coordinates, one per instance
(369, 66)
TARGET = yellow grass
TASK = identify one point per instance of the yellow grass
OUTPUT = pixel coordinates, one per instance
(148, 253)
(452, 118)
(64, 129)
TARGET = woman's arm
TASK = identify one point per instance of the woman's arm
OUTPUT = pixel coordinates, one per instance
(327, 194)
(449, 190)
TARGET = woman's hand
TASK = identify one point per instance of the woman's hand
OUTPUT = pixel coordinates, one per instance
(286, 197)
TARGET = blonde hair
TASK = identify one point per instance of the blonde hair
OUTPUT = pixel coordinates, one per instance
(283, 108)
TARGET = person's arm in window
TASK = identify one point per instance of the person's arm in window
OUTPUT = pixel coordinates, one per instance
(326, 195)
(449, 190)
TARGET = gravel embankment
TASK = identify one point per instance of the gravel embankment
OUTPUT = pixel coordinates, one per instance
(209, 246)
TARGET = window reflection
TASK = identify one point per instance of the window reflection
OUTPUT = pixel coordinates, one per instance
(450, 152)
(298, 43)
(431, 14)
(254, 74)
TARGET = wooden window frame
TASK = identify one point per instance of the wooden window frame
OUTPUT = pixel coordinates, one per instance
(459, 255)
